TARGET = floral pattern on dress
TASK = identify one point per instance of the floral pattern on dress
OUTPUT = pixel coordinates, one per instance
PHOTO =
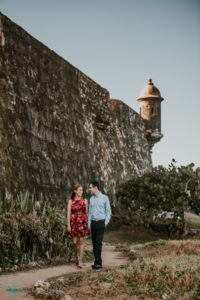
(78, 219)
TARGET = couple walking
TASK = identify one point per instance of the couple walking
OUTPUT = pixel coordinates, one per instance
(81, 223)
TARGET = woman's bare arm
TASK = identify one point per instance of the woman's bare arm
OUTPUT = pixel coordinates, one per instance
(69, 204)
(86, 204)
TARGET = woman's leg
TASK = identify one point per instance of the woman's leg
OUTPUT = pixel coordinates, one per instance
(81, 251)
(74, 239)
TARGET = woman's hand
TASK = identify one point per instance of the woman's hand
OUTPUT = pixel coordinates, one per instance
(68, 228)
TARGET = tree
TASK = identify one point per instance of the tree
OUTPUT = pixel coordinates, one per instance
(157, 192)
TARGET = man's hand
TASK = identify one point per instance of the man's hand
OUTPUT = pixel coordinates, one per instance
(89, 229)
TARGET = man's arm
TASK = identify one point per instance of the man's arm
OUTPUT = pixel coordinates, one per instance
(107, 211)
(89, 215)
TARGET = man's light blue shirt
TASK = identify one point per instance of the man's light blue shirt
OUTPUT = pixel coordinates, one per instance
(99, 208)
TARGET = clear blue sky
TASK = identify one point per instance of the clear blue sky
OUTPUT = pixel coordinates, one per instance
(122, 43)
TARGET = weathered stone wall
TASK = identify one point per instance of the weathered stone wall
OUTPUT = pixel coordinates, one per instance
(58, 127)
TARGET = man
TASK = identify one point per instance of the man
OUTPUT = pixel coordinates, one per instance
(98, 219)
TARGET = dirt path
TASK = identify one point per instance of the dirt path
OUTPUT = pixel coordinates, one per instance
(26, 279)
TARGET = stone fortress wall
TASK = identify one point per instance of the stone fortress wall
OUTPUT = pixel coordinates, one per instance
(58, 127)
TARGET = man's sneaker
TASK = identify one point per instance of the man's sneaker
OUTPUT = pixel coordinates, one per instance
(96, 267)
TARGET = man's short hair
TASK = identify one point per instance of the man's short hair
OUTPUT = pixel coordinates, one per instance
(95, 183)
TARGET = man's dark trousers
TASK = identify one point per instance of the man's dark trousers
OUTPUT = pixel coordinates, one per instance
(97, 230)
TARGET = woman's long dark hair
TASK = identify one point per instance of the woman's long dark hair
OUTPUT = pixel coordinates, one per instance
(75, 188)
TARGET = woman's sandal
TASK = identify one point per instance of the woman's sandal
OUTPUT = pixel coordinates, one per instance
(79, 265)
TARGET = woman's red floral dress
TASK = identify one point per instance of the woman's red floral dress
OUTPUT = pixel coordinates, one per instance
(78, 219)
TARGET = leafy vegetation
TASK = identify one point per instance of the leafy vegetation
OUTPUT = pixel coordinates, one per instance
(148, 199)
(31, 230)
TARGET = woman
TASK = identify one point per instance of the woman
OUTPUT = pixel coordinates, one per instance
(77, 221)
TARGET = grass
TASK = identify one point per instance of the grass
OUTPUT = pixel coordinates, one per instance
(88, 255)
(170, 271)
(132, 234)
(163, 269)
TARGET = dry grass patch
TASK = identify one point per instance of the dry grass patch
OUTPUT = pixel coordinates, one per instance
(188, 247)
(171, 271)
(171, 247)
(98, 285)
(165, 277)
(163, 270)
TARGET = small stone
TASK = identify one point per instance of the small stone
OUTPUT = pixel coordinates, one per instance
(13, 269)
(106, 285)
(38, 283)
(46, 285)
(66, 297)
(33, 263)
(39, 291)
(42, 284)
(133, 254)
(121, 248)
(61, 279)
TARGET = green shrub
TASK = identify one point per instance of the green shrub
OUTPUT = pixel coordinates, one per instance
(31, 230)
(161, 190)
